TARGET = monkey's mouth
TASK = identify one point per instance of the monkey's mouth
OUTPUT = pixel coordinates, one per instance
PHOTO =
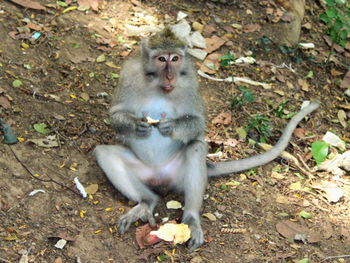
(167, 88)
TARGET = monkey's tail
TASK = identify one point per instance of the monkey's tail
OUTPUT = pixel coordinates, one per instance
(222, 168)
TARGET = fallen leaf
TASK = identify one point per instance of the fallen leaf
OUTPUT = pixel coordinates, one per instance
(210, 216)
(304, 85)
(58, 260)
(224, 118)
(214, 43)
(48, 142)
(101, 58)
(249, 28)
(336, 73)
(173, 204)
(91, 189)
(342, 118)
(300, 133)
(141, 233)
(211, 63)
(93, 4)
(289, 229)
(29, 4)
(4, 102)
(346, 81)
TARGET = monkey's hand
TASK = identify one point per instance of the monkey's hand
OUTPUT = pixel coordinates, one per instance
(142, 128)
(166, 126)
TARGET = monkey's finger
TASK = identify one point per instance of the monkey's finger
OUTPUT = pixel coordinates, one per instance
(124, 224)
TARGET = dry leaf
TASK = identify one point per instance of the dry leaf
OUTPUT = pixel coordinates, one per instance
(300, 133)
(29, 4)
(141, 233)
(345, 84)
(4, 102)
(210, 216)
(93, 4)
(336, 73)
(173, 204)
(91, 189)
(211, 63)
(342, 118)
(249, 28)
(224, 118)
(214, 43)
(291, 230)
(304, 85)
(58, 260)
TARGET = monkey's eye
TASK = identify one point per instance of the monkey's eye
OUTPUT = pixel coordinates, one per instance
(162, 59)
(176, 58)
(151, 74)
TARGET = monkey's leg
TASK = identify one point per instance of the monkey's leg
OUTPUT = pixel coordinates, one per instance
(194, 183)
(124, 170)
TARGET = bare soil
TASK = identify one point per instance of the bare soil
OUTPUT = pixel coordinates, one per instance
(63, 70)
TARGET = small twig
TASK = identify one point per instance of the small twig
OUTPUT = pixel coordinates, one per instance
(40, 179)
(334, 257)
(4, 260)
(304, 163)
(25, 167)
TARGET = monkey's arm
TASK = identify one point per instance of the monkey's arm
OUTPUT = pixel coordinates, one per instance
(124, 123)
(185, 128)
(222, 168)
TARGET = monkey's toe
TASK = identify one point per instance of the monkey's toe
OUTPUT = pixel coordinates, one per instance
(196, 240)
(141, 211)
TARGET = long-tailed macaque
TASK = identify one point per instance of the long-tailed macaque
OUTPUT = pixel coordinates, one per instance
(160, 84)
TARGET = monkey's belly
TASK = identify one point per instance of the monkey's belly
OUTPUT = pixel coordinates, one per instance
(156, 149)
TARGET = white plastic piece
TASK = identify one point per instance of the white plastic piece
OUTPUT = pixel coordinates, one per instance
(182, 30)
(198, 53)
(34, 192)
(80, 187)
(245, 60)
(307, 45)
(181, 15)
(61, 243)
(334, 140)
(197, 40)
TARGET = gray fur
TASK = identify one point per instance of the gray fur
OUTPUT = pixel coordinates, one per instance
(172, 152)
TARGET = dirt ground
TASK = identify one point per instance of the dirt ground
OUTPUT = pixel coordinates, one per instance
(65, 87)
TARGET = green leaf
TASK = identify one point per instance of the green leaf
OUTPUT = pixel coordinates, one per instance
(114, 75)
(75, 45)
(330, 2)
(331, 12)
(319, 150)
(17, 83)
(282, 214)
(309, 75)
(241, 133)
(324, 18)
(101, 58)
(27, 66)
(305, 214)
(61, 3)
(41, 128)
(304, 260)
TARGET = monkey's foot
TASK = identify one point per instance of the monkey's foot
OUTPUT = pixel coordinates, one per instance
(197, 236)
(141, 211)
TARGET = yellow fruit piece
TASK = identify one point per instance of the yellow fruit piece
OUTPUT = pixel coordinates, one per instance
(151, 121)
(175, 233)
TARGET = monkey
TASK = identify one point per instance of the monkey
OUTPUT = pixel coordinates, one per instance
(160, 83)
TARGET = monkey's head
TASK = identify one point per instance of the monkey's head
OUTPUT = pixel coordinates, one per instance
(164, 57)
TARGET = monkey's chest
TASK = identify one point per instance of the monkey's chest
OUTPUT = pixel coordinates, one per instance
(156, 149)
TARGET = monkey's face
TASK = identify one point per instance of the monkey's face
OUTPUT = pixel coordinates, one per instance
(168, 66)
